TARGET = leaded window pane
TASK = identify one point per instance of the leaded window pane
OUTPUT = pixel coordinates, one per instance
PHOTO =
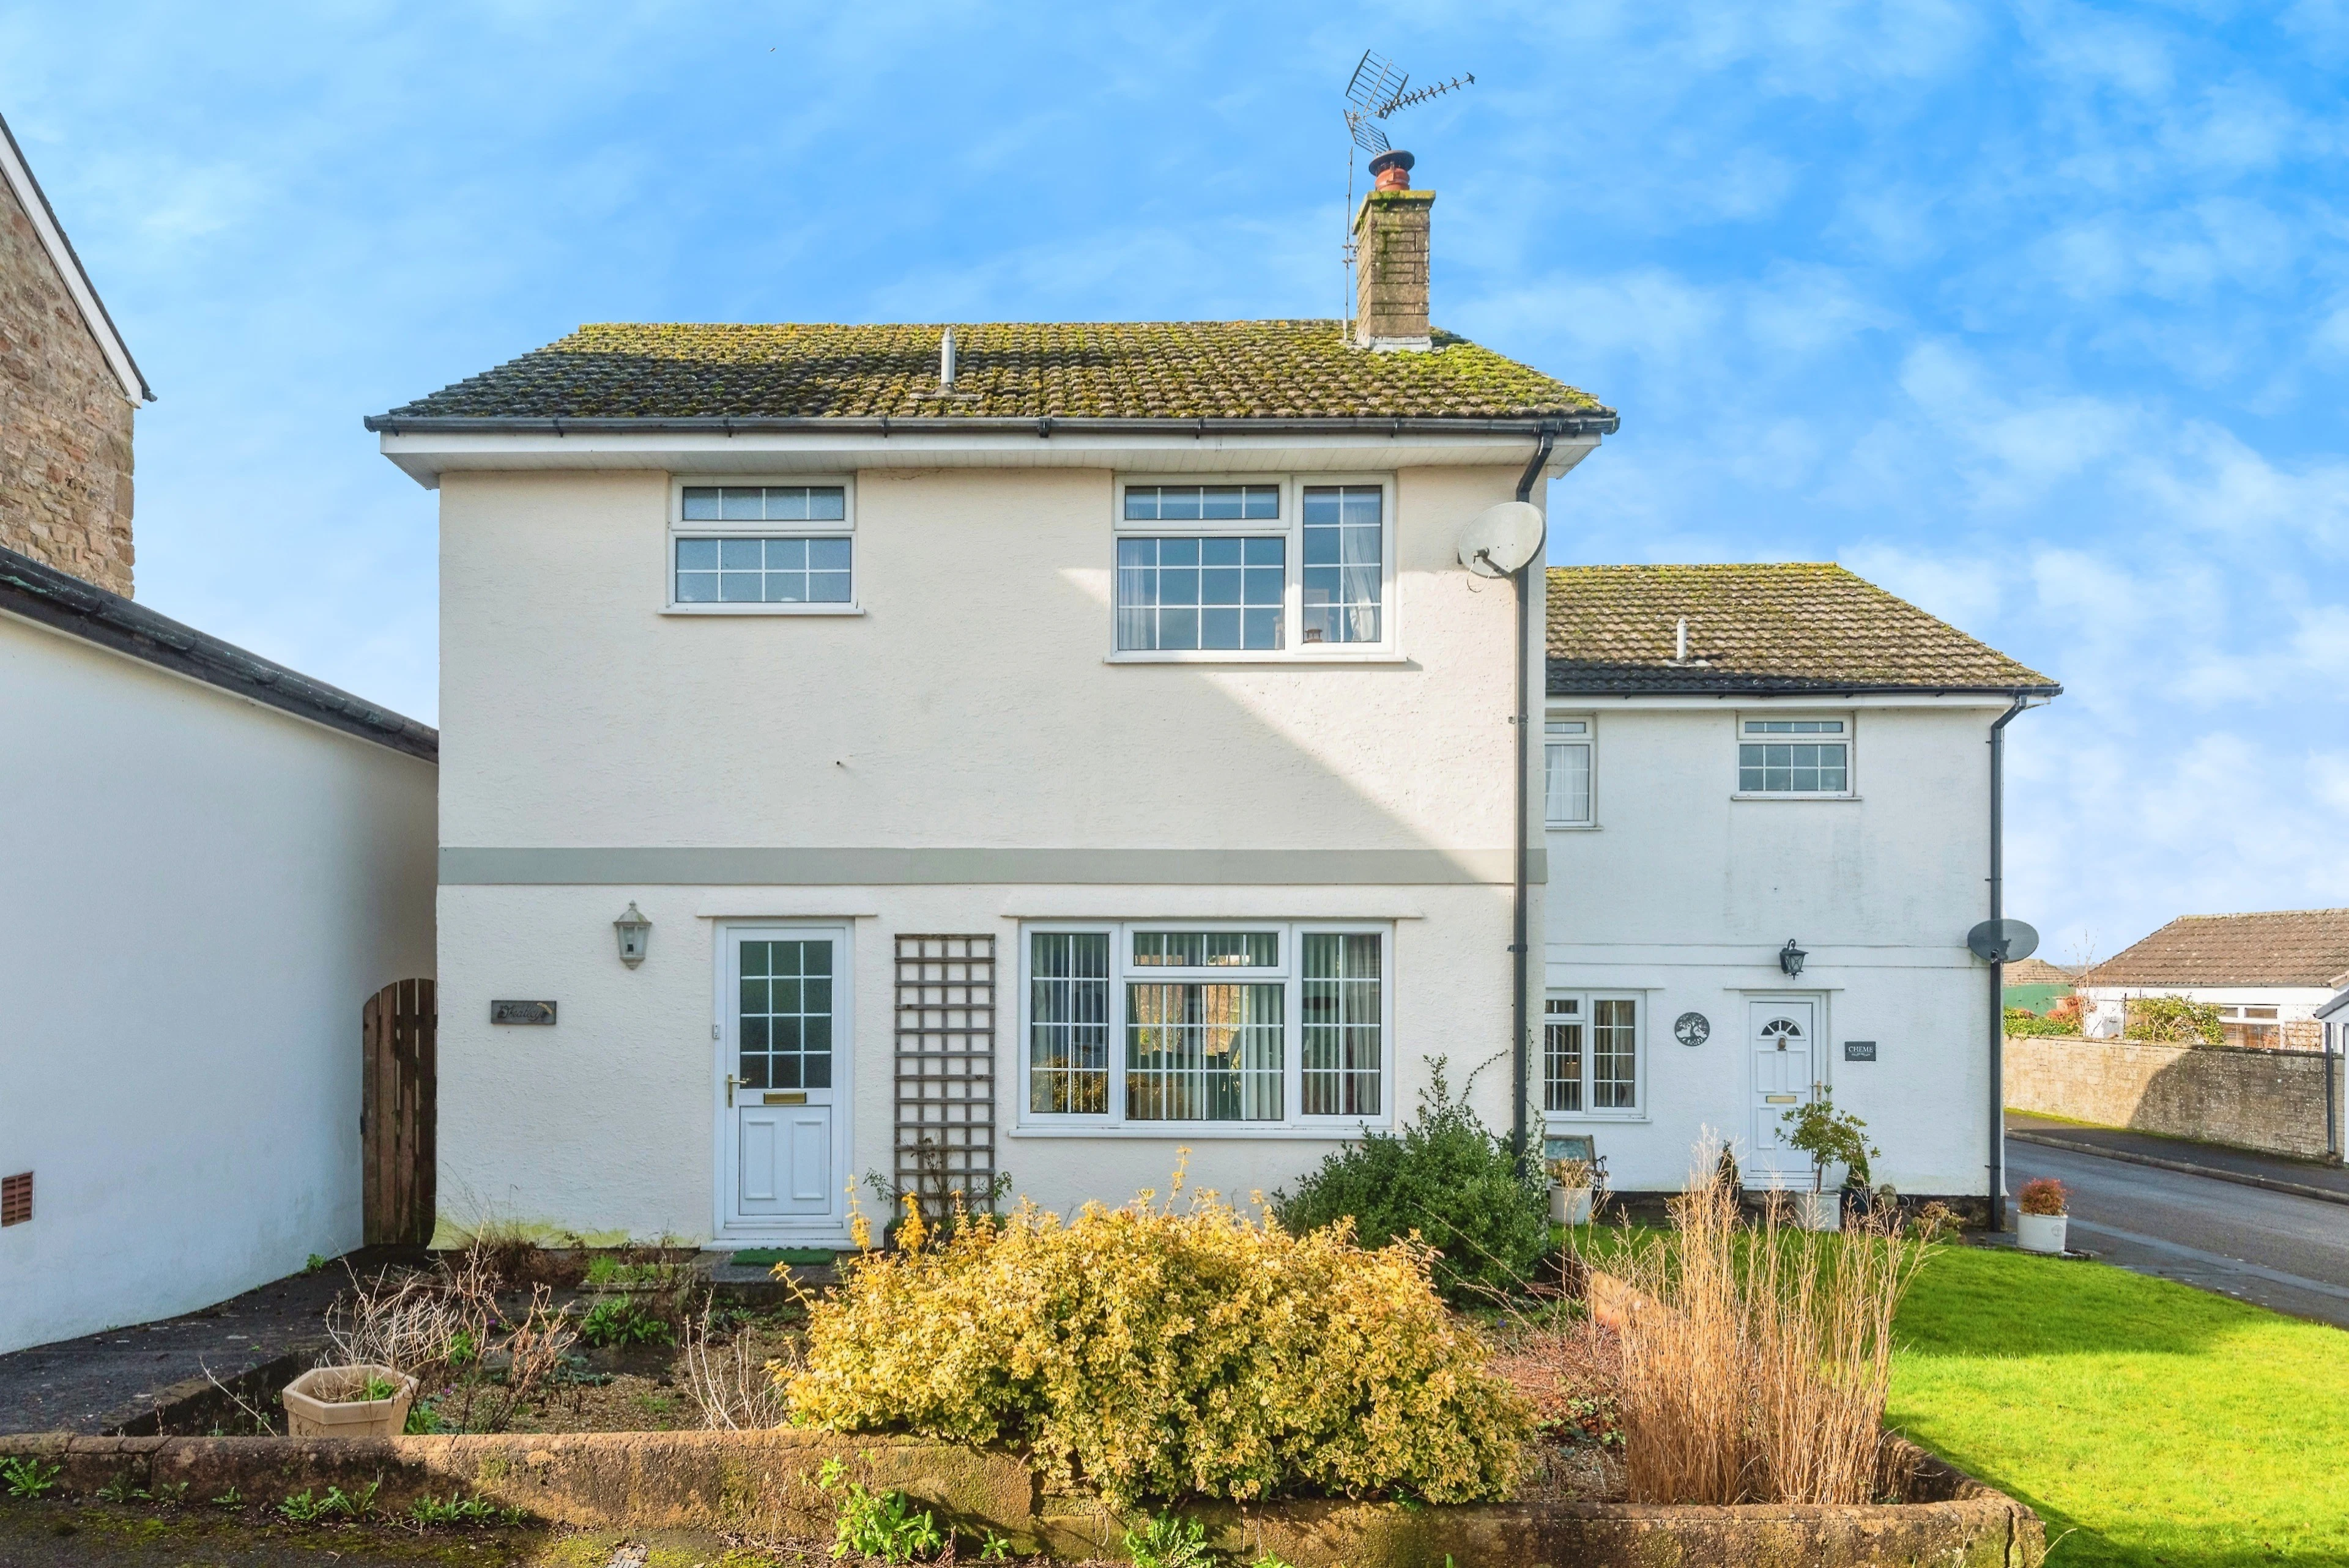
(1792, 768)
(1200, 594)
(1186, 503)
(766, 503)
(1207, 949)
(1343, 1023)
(1614, 1054)
(763, 571)
(1203, 1051)
(784, 1024)
(1067, 1028)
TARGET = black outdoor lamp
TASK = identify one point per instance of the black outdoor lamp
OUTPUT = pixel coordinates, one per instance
(1790, 957)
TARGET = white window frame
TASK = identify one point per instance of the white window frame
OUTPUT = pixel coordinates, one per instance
(1572, 729)
(678, 528)
(1289, 525)
(1289, 973)
(1849, 737)
(1641, 1005)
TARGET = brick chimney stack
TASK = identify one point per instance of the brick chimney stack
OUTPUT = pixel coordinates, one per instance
(1390, 259)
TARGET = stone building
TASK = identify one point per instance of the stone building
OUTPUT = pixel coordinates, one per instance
(68, 387)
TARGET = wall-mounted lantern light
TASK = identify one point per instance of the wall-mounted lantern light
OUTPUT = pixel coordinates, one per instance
(636, 932)
(1790, 957)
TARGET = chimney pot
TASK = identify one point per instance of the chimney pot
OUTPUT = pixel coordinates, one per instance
(1392, 171)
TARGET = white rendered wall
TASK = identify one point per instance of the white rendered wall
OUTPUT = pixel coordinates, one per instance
(200, 893)
(2293, 1003)
(972, 706)
(1687, 894)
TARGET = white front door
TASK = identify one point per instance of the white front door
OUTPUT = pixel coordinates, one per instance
(1781, 1036)
(784, 1034)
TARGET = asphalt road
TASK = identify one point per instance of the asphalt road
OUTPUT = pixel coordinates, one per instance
(2287, 1252)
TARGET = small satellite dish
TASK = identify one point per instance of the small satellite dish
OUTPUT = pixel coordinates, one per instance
(1501, 539)
(2002, 941)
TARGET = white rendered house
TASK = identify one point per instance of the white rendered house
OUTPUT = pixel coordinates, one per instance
(1768, 813)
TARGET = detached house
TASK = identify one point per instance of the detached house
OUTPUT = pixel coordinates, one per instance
(2270, 973)
(934, 753)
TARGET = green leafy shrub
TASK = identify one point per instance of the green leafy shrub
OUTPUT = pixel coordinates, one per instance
(1447, 1177)
(623, 1320)
(878, 1527)
(1168, 1541)
(2021, 1021)
(26, 1478)
(1163, 1352)
(2172, 1020)
(1830, 1137)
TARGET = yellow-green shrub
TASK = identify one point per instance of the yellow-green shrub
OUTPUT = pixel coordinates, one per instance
(1147, 1351)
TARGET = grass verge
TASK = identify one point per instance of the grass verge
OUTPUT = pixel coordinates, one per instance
(2148, 1422)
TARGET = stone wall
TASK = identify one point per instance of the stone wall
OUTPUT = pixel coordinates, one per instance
(65, 425)
(2265, 1100)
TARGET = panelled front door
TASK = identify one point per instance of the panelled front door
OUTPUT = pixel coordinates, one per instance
(784, 1033)
(1781, 1034)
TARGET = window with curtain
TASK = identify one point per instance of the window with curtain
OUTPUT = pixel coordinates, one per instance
(1345, 540)
(1591, 1055)
(1566, 755)
(1344, 1042)
(1067, 1023)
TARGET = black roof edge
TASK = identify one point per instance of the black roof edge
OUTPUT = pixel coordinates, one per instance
(65, 602)
(1602, 422)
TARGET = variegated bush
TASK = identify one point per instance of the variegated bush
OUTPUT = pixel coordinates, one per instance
(1165, 1351)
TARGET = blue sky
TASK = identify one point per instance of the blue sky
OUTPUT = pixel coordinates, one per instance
(2038, 314)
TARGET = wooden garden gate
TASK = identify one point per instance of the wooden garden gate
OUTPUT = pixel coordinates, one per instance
(397, 1116)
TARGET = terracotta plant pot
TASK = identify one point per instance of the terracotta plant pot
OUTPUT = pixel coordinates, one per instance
(2040, 1232)
(1569, 1205)
(317, 1403)
(1819, 1211)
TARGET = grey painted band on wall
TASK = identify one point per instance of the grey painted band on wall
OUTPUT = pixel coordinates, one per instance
(772, 867)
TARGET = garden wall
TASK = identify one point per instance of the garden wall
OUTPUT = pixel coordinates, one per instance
(761, 1484)
(2264, 1099)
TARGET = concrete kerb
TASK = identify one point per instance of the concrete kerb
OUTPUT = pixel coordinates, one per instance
(762, 1484)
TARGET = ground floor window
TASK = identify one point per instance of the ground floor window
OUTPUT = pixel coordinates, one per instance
(1145, 1024)
(1590, 1054)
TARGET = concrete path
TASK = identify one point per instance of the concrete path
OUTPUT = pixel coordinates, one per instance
(2279, 1250)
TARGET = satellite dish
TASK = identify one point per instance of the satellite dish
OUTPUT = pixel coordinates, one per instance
(1501, 539)
(2001, 941)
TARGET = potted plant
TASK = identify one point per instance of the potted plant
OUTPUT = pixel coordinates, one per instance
(362, 1400)
(2044, 1217)
(1569, 1191)
(1830, 1138)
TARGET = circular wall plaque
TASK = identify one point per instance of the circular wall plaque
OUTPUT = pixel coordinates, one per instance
(1692, 1028)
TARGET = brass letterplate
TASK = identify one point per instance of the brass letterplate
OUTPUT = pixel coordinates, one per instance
(1782, 1100)
(793, 1098)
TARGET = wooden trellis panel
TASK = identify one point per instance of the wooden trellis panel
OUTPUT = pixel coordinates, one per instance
(399, 1158)
(946, 1071)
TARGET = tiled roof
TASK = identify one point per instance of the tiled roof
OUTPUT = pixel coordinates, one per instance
(1076, 370)
(2298, 947)
(1789, 627)
(2035, 972)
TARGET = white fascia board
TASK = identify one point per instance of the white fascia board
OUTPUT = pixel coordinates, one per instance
(29, 196)
(426, 456)
(1579, 704)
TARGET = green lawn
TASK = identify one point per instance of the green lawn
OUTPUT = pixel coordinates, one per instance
(2147, 1422)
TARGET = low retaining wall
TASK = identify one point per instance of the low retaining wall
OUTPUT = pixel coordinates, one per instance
(2268, 1100)
(762, 1484)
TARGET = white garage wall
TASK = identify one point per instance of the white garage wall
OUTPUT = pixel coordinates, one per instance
(197, 893)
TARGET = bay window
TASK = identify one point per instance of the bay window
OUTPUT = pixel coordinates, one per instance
(1142, 1025)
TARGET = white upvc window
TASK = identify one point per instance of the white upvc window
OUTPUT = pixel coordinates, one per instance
(1593, 1055)
(762, 548)
(1189, 1025)
(1566, 770)
(1795, 757)
(1254, 568)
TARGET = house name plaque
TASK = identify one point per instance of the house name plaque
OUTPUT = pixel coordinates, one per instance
(521, 1012)
(1859, 1050)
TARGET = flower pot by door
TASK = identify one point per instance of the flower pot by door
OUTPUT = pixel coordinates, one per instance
(2040, 1232)
(1819, 1211)
(1569, 1205)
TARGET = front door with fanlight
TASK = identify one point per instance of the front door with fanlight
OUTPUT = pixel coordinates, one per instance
(784, 1034)
(1781, 1034)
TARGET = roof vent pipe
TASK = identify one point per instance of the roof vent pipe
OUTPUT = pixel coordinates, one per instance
(946, 358)
(1680, 643)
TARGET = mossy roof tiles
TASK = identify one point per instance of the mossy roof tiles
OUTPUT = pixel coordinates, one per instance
(1786, 627)
(2293, 947)
(1123, 371)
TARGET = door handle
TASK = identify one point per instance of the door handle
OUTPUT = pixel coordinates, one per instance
(730, 1091)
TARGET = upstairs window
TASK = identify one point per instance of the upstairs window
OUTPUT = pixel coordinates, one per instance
(1566, 755)
(726, 552)
(1794, 757)
(1190, 594)
(1345, 537)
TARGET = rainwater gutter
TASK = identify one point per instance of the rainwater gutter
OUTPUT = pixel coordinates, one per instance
(1998, 971)
(1520, 1067)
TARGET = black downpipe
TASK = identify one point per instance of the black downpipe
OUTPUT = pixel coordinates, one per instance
(1520, 1069)
(1998, 971)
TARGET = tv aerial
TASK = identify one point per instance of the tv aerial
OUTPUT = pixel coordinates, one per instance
(1375, 93)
